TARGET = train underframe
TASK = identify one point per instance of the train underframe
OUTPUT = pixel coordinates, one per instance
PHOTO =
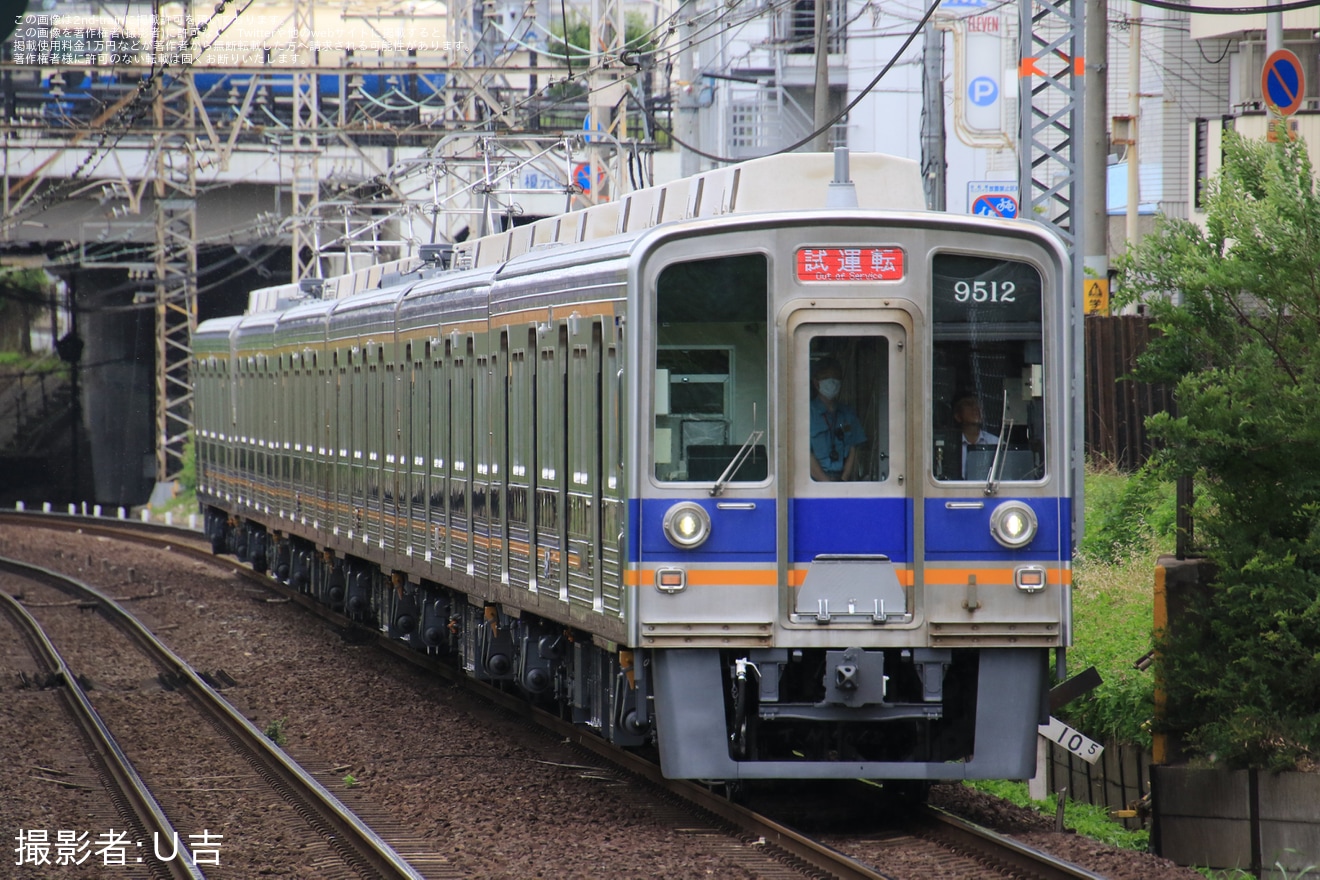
(717, 714)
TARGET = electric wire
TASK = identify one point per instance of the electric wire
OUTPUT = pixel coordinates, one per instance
(831, 122)
(1232, 10)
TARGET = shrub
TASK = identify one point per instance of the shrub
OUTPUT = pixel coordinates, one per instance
(1127, 516)
(1237, 307)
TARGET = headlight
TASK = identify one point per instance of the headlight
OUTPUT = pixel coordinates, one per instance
(687, 525)
(1013, 524)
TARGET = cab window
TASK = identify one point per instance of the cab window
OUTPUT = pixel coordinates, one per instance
(987, 370)
(711, 363)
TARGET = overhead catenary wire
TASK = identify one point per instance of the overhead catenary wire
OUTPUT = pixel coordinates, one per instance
(1231, 10)
(134, 109)
(866, 90)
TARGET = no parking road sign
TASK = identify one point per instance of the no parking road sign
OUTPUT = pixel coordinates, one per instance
(1282, 82)
(995, 205)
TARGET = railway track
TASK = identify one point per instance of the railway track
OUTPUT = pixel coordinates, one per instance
(977, 850)
(359, 846)
(137, 807)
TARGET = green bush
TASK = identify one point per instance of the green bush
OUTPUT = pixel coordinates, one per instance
(1126, 515)
(1113, 603)
(188, 466)
(1237, 307)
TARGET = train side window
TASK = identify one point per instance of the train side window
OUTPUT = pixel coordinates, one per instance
(987, 369)
(711, 368)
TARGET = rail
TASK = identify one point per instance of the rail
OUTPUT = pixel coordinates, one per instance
(143, 810)
(356, 841)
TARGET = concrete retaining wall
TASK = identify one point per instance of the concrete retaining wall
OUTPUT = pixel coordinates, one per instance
(1264, 823)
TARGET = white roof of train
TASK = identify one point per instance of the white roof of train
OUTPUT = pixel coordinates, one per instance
(786, 182)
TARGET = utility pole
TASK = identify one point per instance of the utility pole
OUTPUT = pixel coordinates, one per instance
(934, 164)
(607, 100)
(688, 122)
(1095, 150)
(175, 189)
(1134, 110)
(821, 105)
(305, 188)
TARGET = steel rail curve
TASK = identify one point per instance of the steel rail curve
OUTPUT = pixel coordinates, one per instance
(356, 841)
(137, 805)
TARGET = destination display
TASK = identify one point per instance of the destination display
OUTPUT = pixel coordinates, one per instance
(850, 264)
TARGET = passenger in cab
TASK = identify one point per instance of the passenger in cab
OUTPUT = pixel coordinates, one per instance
(836, 432)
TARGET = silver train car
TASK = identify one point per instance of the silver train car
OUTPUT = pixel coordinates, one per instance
(780, 489)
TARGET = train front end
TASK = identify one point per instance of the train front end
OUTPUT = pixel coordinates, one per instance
(852, 512)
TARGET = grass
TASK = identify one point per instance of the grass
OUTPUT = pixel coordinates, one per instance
(275, 732)
(42, 362)
(1089, 821)
(1307, 873)
(1113, 604)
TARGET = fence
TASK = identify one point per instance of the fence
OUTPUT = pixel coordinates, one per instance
(1117, 407)
(1117, 781)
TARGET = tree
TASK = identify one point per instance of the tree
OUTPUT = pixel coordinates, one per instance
(29, 289)
(1237, 307)
(573, 40)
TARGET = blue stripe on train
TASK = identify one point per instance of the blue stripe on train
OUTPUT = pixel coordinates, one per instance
(963, 534)
(823, 525)
(846, 525)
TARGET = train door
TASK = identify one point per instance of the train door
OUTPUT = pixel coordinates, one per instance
(374, 381)
(341, 440)
(522, 459)
(396, 459)
(290, 409)
(551, 432)
(437, 501)
(325, 440)
(850, 517)
(482, 455)
(460, 467)
(613, 510)
(391, 462)
(499, 467)
(583, 465)
(358, 379)
(419, 445)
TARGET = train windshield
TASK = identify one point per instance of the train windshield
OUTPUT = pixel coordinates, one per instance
(987, 371)
(711, 368)
(848, 414)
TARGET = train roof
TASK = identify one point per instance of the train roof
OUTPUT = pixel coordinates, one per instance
(780, 185)
(788, 182)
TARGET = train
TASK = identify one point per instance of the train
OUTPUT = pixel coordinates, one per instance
(769, 471)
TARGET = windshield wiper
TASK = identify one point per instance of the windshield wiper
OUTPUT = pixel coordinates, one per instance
(1005, 428)
(738, 461)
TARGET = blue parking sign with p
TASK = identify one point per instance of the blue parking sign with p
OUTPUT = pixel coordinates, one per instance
(982, 91)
